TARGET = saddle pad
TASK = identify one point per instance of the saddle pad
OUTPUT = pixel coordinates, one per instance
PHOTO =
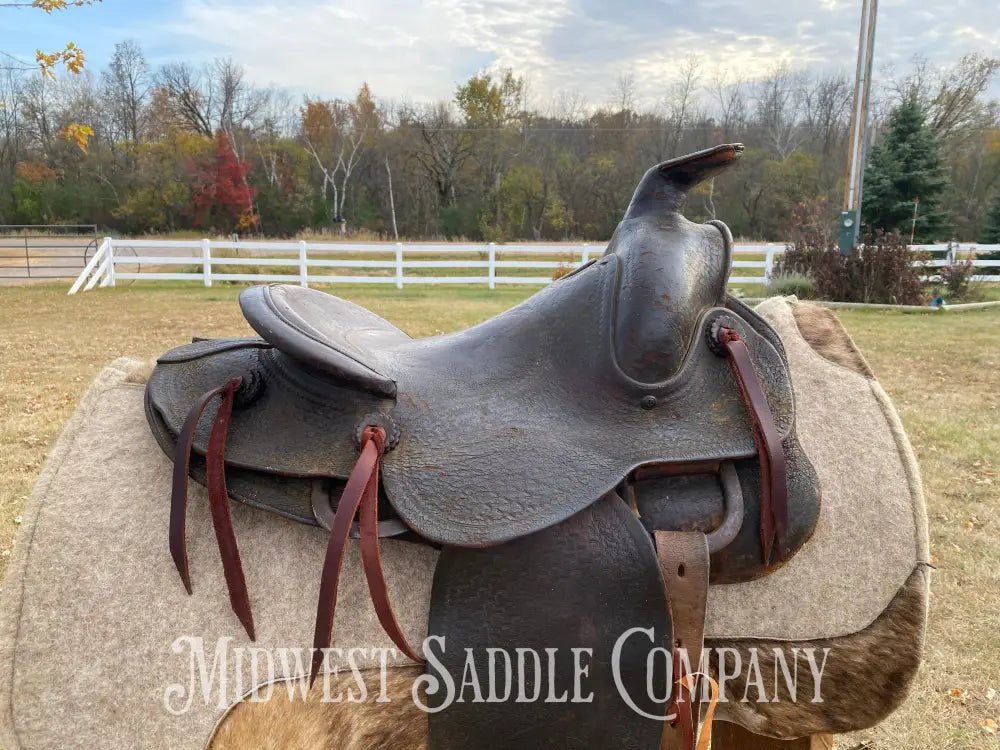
(89, 611)
(92, 604)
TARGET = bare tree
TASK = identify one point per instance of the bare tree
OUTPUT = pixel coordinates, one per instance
(275, 121)
(950, 96)
(567, 106)
(825, 113)
(730, 93)
(681, 100)
(188, 102)
(337, 133)
(217, 97)
(126, 85)
(12, 85)
(441, 149)
(777, 98)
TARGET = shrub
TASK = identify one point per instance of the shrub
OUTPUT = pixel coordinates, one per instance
(956, 278)
(563, 269)
(786, 284)
(879, 271)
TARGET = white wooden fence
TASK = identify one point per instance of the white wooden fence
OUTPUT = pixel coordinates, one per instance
(305, 260)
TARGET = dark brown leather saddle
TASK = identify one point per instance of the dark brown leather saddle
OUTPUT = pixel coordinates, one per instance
(586, 462)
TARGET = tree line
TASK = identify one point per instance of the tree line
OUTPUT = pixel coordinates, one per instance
(186, 147)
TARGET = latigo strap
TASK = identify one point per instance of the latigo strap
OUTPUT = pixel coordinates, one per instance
(361, 491)
(218, 500)
(773, 473)
(684, 565)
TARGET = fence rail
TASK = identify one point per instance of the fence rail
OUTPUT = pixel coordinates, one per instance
(124, 259)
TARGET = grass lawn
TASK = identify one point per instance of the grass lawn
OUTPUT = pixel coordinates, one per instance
(942, 371)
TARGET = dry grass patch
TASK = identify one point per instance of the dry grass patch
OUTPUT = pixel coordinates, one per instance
(942, 371)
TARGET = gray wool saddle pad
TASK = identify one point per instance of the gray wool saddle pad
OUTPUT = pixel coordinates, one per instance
(91, 610)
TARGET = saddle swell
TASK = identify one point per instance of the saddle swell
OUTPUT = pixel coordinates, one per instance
(634, 376)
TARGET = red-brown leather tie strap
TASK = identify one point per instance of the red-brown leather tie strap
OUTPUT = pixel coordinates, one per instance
(773, 473)
(361, 491)
(372, 560)
(218, 500)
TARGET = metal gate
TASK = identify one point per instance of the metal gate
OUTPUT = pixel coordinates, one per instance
(45, 251)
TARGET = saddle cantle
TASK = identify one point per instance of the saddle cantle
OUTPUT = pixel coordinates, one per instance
(636, 377)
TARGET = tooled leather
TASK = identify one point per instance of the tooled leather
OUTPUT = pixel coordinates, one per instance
(466, 420)
(663, 290)
(348, 352)
(672, 504)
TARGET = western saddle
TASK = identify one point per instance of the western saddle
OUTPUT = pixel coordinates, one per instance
(588, 462)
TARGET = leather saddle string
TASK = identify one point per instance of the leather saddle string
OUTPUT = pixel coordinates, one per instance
(218, 500)
(372, 561)
(773, 472)
(361, 491)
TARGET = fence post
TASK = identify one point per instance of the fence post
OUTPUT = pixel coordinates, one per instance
(91, 270)
(399, 265)
(109, 264)
(585, 255)
(769, 263)
(206, 262)
(303, 264)
(493, 265)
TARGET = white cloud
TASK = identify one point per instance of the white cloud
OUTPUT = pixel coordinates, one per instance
(409, 51)
(420, 51)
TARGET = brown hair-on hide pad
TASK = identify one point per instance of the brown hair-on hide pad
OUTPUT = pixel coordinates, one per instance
(822, 330)
(867, 676)
(284, 724)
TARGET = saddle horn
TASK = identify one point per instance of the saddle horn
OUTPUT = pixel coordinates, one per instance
(670, 269)
(664, 187)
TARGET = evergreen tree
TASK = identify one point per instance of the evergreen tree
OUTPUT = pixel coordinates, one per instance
(904, 165)
(991, 232)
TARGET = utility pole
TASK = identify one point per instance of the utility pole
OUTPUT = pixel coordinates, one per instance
(851, 214)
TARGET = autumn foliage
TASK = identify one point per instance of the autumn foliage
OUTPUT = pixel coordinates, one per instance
(221, 197)
(34, 173)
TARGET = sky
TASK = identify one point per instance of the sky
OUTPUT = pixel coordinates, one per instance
(420, 51)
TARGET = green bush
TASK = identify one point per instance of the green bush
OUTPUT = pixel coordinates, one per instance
(791, 283)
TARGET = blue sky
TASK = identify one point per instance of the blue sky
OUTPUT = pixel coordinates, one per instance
(419, 50)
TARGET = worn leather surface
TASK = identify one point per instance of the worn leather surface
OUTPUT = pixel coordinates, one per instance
(579, 584)
(541, 409)
(684, 564)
